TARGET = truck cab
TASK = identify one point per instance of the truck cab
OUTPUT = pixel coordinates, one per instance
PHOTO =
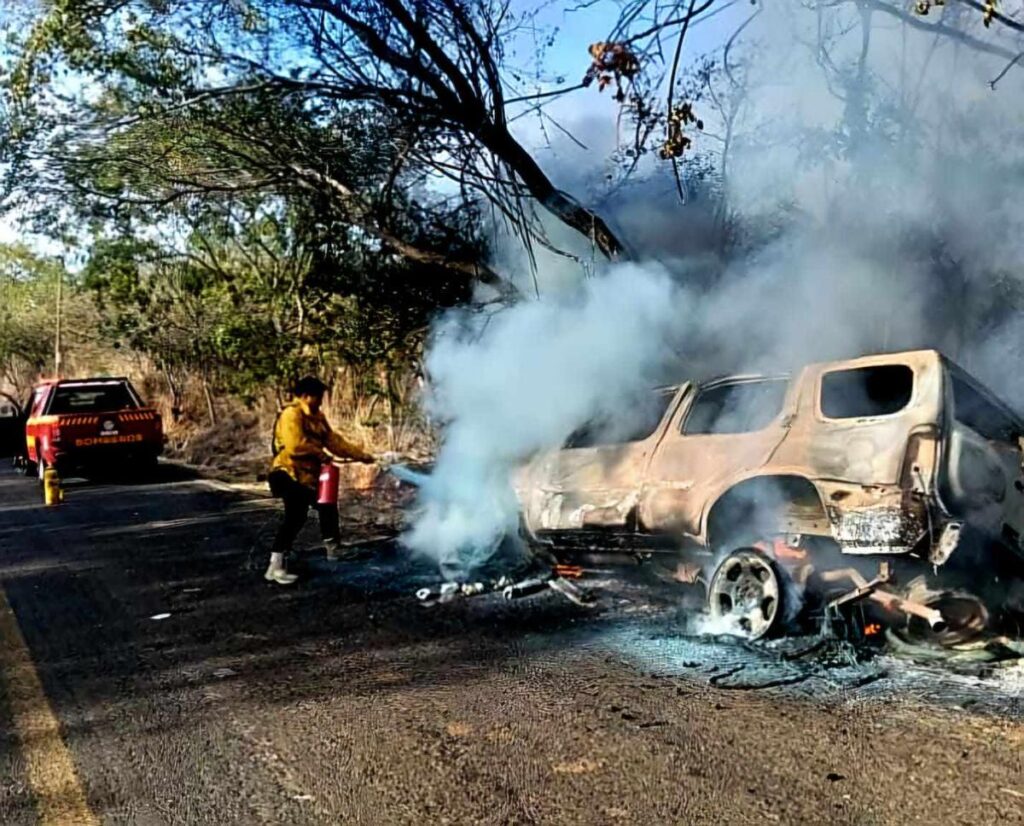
(83, 425)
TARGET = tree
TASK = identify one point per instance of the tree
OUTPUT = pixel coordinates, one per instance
(28, 300)
(431, 74)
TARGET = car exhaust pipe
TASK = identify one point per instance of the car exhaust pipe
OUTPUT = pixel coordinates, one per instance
(932, 616)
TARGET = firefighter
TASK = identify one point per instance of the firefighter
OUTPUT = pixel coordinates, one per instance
(303, 441)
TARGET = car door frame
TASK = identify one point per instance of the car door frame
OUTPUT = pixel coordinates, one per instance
(614, 473)
(679, 488)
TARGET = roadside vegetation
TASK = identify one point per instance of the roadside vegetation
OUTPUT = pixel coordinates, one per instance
(248, 190)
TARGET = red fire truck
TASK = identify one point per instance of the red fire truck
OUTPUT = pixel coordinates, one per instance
(85, 425)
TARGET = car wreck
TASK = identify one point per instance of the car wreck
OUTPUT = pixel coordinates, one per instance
(882, 490)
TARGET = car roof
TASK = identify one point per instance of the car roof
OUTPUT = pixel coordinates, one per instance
(853, 362)
(83, 382)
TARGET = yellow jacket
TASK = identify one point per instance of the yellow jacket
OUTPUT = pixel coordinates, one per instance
(303, 440)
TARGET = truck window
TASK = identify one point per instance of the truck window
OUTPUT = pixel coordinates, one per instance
(987, 419)
(736, 408)
(96, 398)
(866, 391)
(643, 418)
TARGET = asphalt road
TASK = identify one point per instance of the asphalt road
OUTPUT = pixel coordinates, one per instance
(342, 701)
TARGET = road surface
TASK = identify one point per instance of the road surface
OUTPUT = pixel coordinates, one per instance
(147, 676)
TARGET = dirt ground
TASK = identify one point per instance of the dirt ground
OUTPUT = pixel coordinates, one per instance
(344, 701)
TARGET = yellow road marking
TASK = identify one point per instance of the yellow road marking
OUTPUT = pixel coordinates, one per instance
(60, 799)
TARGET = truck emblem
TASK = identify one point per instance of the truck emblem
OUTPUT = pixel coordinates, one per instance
(108, 425)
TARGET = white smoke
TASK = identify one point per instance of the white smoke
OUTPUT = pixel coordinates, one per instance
(522, 380)
(872, 201)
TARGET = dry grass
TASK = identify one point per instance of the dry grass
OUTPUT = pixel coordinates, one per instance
(238, 444)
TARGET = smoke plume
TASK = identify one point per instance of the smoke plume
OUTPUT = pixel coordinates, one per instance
(507, 385)
(862, 197)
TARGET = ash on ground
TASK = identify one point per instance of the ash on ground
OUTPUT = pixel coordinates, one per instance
(647, 629)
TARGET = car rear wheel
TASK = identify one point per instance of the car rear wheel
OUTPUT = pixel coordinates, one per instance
(746, 595)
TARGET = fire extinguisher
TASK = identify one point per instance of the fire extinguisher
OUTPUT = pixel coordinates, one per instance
(327, 491)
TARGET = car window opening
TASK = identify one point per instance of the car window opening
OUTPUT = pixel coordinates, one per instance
(742, 407)
(864, 392)
(96, 399)
(972, 408)
(642, 419)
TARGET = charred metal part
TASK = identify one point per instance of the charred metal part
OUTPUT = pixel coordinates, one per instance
(947, 543)
(933, 617)
(862, 587)
(884, 529)
(570, 591)
(509, 589)
(965, 616)
(525, 588)
(873, 590)
(688, 573)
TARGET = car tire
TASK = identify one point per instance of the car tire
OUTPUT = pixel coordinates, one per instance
(749, 594)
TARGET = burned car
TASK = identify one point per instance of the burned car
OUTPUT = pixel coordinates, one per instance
(888, 486)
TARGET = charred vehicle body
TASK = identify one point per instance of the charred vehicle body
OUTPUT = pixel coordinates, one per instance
(888, 487)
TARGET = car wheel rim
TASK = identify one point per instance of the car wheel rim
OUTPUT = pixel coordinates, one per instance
(744, 594)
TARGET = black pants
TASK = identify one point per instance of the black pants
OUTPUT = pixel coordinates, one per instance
(297, 501)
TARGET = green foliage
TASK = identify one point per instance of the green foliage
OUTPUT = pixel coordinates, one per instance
(27, 292)
(242, 238)
(28, 304)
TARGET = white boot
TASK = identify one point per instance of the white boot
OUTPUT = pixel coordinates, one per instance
(277, 573)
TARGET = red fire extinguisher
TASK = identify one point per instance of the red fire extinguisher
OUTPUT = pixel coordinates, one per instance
(327, 491)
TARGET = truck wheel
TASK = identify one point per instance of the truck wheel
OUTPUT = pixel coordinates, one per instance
(747, 594)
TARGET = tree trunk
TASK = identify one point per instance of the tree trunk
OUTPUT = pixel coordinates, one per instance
(210, 409)
(560, 204)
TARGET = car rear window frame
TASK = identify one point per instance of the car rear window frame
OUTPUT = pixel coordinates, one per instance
(89, 387)
(1013, 430)
(820, 390)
